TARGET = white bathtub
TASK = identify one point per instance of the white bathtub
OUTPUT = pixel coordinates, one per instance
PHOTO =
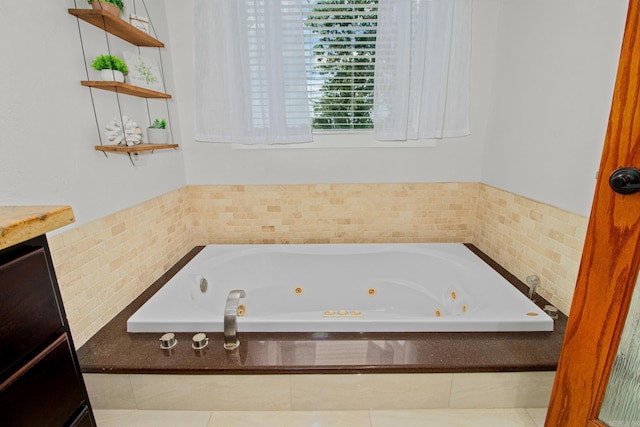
(341, 288)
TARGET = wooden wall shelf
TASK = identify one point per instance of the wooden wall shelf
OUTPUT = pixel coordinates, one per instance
(116, 26)
(125, 88)
(134, 148)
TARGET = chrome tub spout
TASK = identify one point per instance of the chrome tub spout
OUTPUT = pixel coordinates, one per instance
(230, 314)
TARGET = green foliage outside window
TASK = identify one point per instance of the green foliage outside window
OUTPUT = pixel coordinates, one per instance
(344, 60)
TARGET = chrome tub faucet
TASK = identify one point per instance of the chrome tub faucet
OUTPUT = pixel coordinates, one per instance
(231, 341)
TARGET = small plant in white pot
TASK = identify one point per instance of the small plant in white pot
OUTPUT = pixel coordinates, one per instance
(111, 68)
(157, 132)
(115, 7)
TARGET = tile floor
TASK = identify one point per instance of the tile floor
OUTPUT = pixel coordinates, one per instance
(512, 417)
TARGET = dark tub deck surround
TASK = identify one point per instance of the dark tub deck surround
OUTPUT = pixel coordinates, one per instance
(113, 350)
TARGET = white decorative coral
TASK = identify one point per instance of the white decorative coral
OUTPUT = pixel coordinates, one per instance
(114, 132)
(130, 135)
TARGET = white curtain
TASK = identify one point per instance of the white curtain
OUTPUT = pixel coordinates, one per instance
(422, 69)
(250, 75)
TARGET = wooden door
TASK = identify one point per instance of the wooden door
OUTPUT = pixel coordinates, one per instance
(611, 257)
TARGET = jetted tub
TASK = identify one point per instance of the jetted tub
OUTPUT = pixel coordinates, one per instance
(434, 287)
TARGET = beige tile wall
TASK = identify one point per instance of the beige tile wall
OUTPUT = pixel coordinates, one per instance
(528, 237)
(334, 213)
(104, 265)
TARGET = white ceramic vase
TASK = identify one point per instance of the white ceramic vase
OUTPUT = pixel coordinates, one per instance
(157, 136)
(112, 76)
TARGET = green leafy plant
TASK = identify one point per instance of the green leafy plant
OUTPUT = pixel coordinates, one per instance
(159, 124)
(116, 2)
(109, 62)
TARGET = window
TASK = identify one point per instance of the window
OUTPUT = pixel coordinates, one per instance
(271, 71)
(340, 49)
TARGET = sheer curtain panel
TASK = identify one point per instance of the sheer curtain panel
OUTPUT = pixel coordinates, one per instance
(250, 72)
(422, 69)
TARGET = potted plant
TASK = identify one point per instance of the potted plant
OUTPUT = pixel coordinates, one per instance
(111, 67)
(157, 132)
(114, 7)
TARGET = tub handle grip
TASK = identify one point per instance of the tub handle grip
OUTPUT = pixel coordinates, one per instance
(231, 341)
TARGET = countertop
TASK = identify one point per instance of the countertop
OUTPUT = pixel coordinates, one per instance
(21, 223)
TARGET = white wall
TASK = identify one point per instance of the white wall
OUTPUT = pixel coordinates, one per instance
(48, 126)
(553, 84)
(542, 79)
(451, 160)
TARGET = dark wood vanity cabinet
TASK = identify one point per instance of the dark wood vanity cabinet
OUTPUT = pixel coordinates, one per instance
(40, 379)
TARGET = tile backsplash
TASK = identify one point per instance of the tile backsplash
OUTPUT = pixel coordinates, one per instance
(528, 237)
(334, 213)
(104, 265)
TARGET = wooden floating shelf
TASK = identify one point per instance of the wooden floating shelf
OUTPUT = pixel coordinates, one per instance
(134, 148)
(125, 88)
(116, 26)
